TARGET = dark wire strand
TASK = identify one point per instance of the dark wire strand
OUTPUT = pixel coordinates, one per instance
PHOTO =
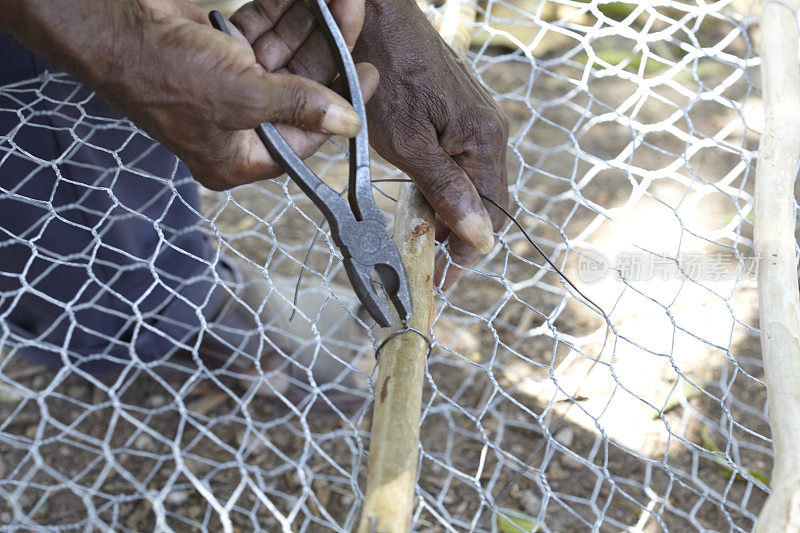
(558, 423)
(513, 219)
(303, 269)
(541, 252)
(407, 328)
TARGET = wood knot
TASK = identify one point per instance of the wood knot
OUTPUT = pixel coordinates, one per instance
(421, 229)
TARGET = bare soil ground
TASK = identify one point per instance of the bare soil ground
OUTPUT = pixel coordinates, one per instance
(666, 431)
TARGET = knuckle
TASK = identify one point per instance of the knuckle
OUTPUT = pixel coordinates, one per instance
(493, 127)
(442, 186)
(300, 105)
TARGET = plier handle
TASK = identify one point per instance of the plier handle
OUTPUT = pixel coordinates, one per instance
(358, 229)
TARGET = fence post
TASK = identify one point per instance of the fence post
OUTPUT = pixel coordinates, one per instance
(779, 307)
(394, 448)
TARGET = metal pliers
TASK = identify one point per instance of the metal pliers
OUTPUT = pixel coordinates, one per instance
(359, 230)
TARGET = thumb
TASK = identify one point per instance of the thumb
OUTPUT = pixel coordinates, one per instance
(298, 101)
(443, 183)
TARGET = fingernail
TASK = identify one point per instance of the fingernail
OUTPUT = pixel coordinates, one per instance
(341, 121)
(477, 232)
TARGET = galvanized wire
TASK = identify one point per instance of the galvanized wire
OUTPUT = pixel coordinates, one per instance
(634, 130)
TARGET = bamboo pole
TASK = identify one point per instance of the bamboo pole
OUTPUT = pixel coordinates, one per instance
(394, 447)
(779, 307)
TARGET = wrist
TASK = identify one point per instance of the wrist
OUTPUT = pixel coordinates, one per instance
(80, 36)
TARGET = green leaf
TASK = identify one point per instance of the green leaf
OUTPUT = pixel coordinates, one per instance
(614, 10)
(724, 470)
(513, 521)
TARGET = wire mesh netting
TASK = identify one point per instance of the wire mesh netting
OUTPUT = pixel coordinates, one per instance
(179, 395)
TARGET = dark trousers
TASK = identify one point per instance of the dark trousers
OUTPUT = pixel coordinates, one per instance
(103, 256)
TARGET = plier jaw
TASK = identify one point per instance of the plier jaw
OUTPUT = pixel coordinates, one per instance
(357, 227)
(373, 303)
(366, 253)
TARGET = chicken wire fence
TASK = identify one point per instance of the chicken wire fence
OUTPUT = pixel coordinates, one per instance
(634, 130)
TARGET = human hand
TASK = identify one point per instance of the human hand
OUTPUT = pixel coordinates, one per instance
(433, 120)
(198, 91)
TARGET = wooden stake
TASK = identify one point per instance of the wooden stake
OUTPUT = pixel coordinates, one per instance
(394, 447)
(779, 306)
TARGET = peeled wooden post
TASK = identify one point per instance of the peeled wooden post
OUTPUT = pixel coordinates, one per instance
(394, 447)
(779, 307)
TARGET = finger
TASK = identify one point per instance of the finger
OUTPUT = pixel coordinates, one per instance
(258, 96)
(368, 75)
(252, 161)
(275, 48)
(349, 16)
(237, 34)
(479, 148)
(315, 59)
(448, 271)
(305, 143)
(258, 17)
(368, 78)
(252, 20)
(445, 185)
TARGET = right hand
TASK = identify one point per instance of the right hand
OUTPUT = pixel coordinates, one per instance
(196, 90)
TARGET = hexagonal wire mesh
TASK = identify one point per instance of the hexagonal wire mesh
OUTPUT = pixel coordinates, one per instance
(631, 161)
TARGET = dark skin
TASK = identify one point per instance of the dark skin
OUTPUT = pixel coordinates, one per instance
(429, 116)
(201, 93)
(450, 136)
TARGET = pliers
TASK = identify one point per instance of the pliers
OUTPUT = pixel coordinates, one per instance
(359, 230)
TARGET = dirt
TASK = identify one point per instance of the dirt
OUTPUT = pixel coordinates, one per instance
(519, 419)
